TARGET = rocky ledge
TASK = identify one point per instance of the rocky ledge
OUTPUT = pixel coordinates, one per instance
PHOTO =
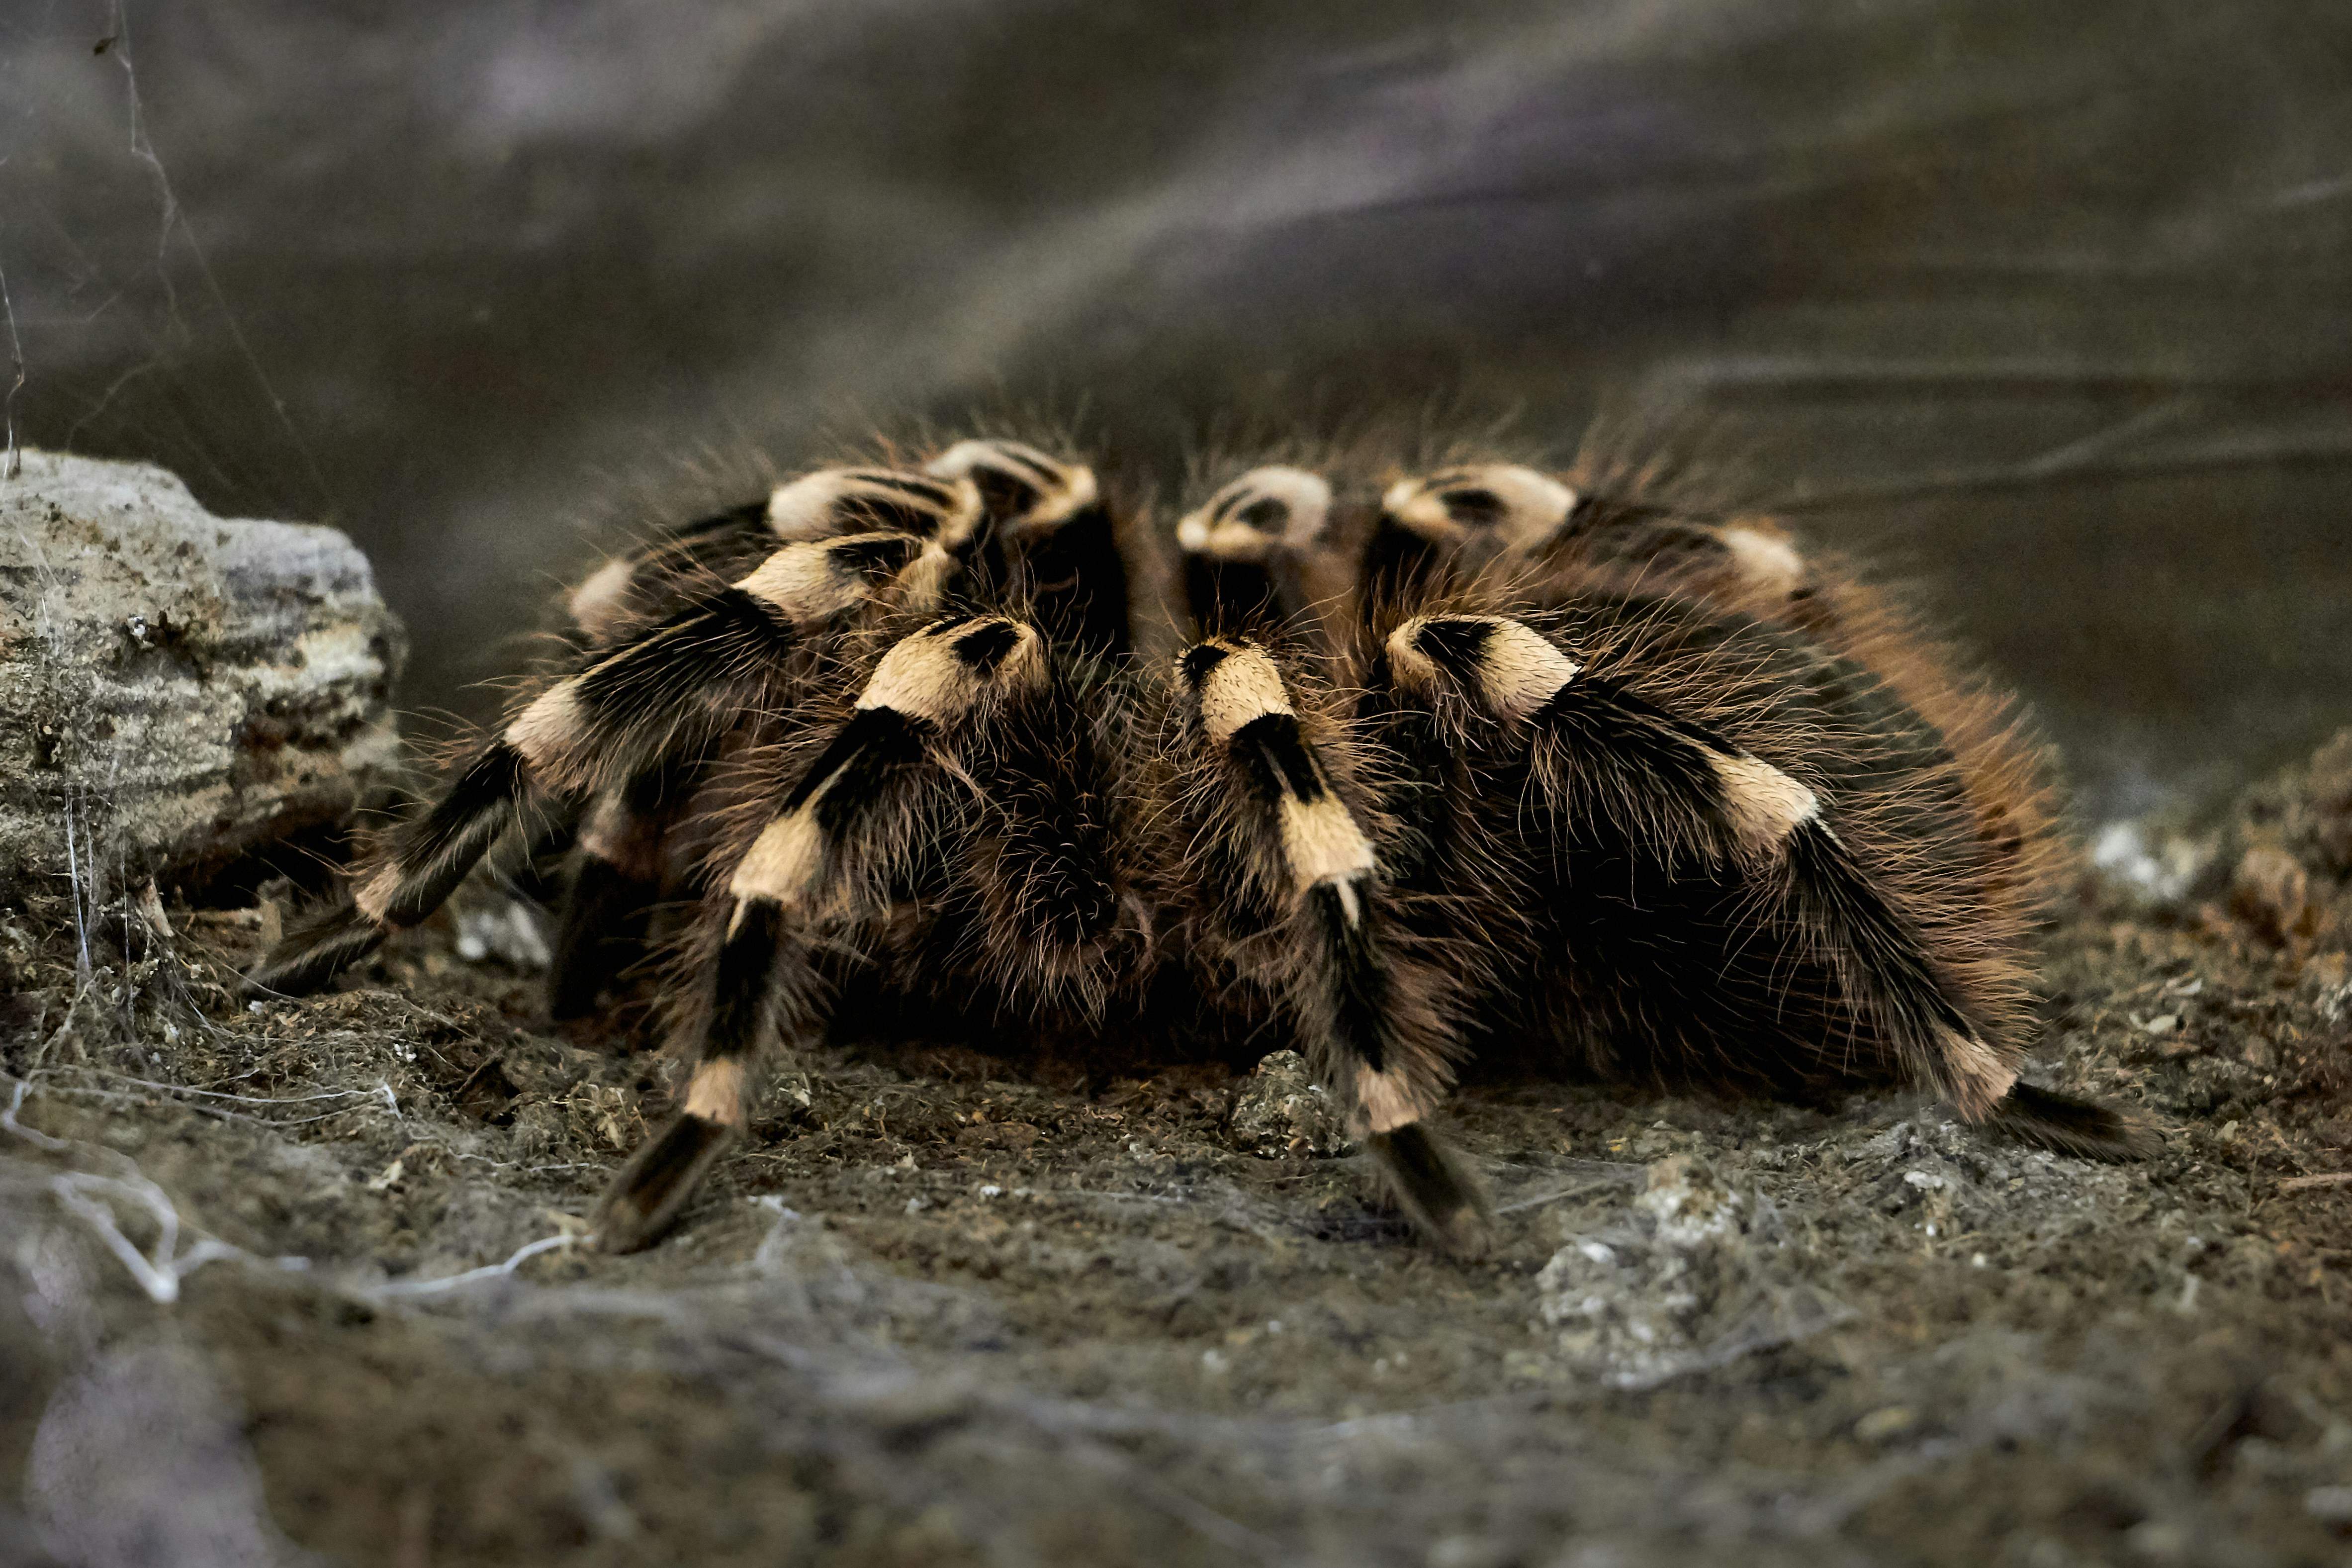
(177, 689)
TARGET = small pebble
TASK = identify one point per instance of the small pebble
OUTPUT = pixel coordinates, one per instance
(1282, 1111)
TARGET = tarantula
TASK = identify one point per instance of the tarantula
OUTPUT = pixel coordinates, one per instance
(1458, 761)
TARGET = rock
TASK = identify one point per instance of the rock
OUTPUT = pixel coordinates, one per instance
(1634, 1300)
(492, 925)
(176, 689)
(1693, 1273)
(2271, 891)
(2331, 803)
(2276, 860)
(1281, 1110)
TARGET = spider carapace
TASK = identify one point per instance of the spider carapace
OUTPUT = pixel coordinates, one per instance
(1427, 763)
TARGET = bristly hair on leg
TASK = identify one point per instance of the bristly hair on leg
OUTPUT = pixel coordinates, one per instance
(1434, 1187)
(2048, 1120)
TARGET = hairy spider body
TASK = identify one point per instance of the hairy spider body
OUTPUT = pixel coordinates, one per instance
(1468, 762)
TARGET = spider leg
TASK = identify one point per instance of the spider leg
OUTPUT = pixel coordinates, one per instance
(1250, 548)
(849, 829)
(1598, 751)
(1373, 1019)
(632, 590)
(1507, 521)
(1434, 528)
(1051, 528)
(1546, 546)
(605, 914)
(639, 589)
(621, 869)
(666, 692)
(986, 512)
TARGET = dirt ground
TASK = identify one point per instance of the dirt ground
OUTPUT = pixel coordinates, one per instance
(296, 1283)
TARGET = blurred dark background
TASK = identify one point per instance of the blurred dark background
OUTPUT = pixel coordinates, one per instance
(2045, 305)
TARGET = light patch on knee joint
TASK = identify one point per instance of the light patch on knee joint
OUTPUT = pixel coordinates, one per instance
(1386, 1102)
(1412, 668)
(808, 582)
(1973, 1075)
(924, 584)
(1322, 844)
(827, 502)
(597, 605)
(554, 726)
(719, 1092)
(374, 896)
(1764, 803)
(1519, 670)
(1244, 686)
(783, 864)
(1063, 489)
(605, 832)
(803, 508)
(930, 675)
(1265, 511)
(1764, 561)
(622, 839)
(1515, 507)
